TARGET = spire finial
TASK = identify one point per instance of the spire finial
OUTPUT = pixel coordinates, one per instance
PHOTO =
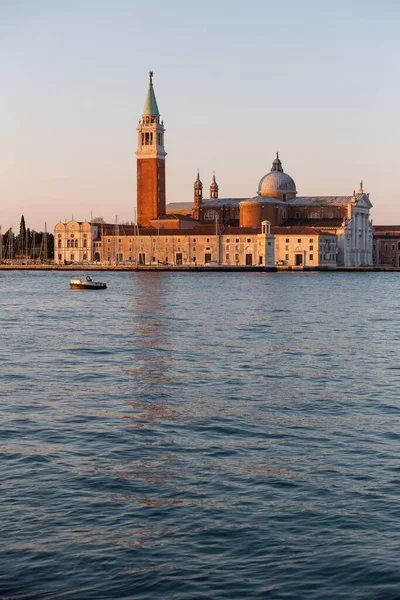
(150, 105)
(277, 154)
(361, 190)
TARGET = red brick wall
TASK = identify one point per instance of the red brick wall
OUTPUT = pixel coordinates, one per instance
(150, 189)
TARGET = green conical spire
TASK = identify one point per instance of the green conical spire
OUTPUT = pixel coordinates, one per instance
(150, 105)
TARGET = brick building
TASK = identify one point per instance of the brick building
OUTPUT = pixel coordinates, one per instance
(386, 246)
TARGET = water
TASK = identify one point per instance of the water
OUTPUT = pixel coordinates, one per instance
(188, 436)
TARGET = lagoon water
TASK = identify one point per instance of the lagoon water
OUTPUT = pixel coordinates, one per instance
(187, 436)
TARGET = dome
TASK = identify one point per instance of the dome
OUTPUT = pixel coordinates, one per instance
(276, 181)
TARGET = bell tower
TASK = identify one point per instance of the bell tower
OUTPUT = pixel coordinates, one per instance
(197, 197)
(150, 161)
(214, 189)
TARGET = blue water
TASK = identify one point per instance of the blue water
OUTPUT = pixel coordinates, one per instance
(200, 436)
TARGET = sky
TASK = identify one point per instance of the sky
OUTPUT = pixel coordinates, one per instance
(235, 82)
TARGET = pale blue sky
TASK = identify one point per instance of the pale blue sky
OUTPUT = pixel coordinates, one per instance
(234, 82)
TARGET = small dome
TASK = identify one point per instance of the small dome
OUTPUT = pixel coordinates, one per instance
(197, 183)
(276, 180)
(214, 184)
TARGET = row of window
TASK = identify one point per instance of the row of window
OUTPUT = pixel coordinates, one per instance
(72, 256)
(311, 240)
(72, 243)
(393, 246)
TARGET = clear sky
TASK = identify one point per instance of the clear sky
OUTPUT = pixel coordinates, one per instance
(234, 81)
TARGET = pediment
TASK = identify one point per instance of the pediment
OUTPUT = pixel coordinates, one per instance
(364, 202)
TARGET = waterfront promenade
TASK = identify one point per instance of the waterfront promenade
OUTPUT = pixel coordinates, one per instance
(187, 268)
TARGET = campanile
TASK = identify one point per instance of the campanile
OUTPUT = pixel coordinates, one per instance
(150, 161)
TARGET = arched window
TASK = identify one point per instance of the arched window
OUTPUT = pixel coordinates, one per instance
(85, 243)
(59, 243)
(210, 215)
(76, 243)
(68, 243)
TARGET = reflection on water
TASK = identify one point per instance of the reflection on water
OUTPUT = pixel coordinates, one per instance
(200, 436)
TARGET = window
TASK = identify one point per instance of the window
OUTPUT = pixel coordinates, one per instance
(76, 243)
(228, 247)
(311, 256)
(59, 256)
(208, 240)
(392, 246)
(248, 240)
(237, 240)
(237, 247)
(85, 243)
(287, 247)
(386, 246)
(194, 240)
(210, 215)
(311, 247)
(68, 243)
(59, 235)
(72, 256)
(299, 240)
(375, 247)
(286, 256)
(284, 197)
(59, 243)
(85, 235)
(287, 240)
(236, 256)
(228, 240)
(269, 243)
(297, 216)
(226, 256)
(194, 259)
(72, 235)
(85, 257)
(311, 240)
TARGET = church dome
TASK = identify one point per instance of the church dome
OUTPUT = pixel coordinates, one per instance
(276, 181)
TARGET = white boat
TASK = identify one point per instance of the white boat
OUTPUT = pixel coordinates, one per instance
(87, 284)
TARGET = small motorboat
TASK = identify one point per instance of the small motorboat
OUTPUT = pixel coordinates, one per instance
(87, 284)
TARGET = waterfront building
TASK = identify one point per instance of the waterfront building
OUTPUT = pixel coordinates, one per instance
(198, 231)
(346, 217)
(386, 246)
(304, 246)
(188, 247)
(73, 242)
